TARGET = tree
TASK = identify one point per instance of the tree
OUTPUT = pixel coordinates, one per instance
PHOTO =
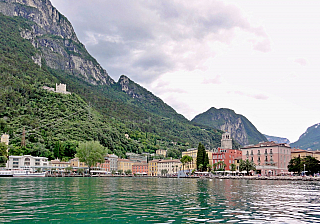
(201, 155)
(91, 153)
(247, 166)
(3, 149)
(233, 167)
(164, 172)
(312, 165)
(295, 165)
(206, 162)
(186, 159)
(127, 172)
(120, 172)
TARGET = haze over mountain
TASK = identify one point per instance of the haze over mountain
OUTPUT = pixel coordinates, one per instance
(277, 139)
(310, 140)
(239, 126)
(38, 47)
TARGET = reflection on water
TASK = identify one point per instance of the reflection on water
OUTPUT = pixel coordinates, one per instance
(157, 200)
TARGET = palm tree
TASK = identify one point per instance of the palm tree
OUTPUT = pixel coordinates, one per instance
(233, 167)
(247, 166)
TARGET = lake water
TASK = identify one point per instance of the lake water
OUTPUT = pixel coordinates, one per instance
(157, 200)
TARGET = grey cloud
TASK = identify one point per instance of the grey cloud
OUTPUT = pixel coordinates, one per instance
(144, 39)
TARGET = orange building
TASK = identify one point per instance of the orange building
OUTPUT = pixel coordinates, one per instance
(104, 166)
(140, 168)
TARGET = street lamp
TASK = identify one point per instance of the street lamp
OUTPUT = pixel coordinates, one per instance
(304, 169)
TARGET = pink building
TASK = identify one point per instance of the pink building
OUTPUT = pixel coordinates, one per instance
(270, 158)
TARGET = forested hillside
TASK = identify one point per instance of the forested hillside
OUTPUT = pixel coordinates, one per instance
(54, 123)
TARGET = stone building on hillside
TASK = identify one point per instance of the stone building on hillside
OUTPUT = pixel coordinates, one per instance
(61, 88)
(5, 138)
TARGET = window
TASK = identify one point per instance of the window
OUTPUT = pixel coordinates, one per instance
(15, 159)
(266, 158)
(15, 163)
(266, 151)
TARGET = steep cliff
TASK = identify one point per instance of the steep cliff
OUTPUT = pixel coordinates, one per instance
(310, 139)
(52, 34)
(147, 100)
(241, 129)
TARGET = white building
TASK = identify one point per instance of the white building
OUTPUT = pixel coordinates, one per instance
(113, 159)
(172, 166)
(19, 162)
(5, 138)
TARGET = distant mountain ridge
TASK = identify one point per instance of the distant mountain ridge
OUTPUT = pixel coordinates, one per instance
(241, 129)
(277, 139)
(310, 140)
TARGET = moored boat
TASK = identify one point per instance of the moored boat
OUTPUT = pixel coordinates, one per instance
(27, 173)
(6, 173)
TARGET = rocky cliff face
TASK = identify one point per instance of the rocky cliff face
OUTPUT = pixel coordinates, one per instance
(52, 34)
(240, 127)
(310, 140)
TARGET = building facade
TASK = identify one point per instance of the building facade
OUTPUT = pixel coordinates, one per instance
(172, 167)
(125, 164)
(75, 163)
(140, 168)
(270, 158)
(27, 161)
(5, 138)
(161, 152)
(226, 156)
(153, 167)
(113, 160)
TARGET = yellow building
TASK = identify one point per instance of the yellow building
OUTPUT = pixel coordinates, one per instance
(77, 164)
(125, 164)
(162, 152)
(152, 167)
(304, 153)
(193, 153)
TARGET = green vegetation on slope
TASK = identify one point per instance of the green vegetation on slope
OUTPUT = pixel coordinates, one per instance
(56, 123)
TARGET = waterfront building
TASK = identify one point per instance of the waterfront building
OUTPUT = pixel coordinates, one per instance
(125, 164)
(172, 166)
(75, 163)
(162, 152)
(153, 167)
(140, 168)
(105, 166)
(193, 153)
(113, 161)
(27, 161)
(304, 153)
(270, 158)
(59, 165)
(227, 156)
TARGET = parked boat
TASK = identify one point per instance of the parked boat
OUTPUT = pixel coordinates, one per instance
(6, 173)
(27, 173)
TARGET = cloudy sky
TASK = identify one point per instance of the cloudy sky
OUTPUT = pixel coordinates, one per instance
(259, 58)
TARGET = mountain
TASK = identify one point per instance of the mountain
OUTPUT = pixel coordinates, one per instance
(53, 35)
(241, 129)
(310, 139)
(277, 139)
(38, 47)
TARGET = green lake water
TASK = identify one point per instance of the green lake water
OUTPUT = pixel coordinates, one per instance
(157, 200)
